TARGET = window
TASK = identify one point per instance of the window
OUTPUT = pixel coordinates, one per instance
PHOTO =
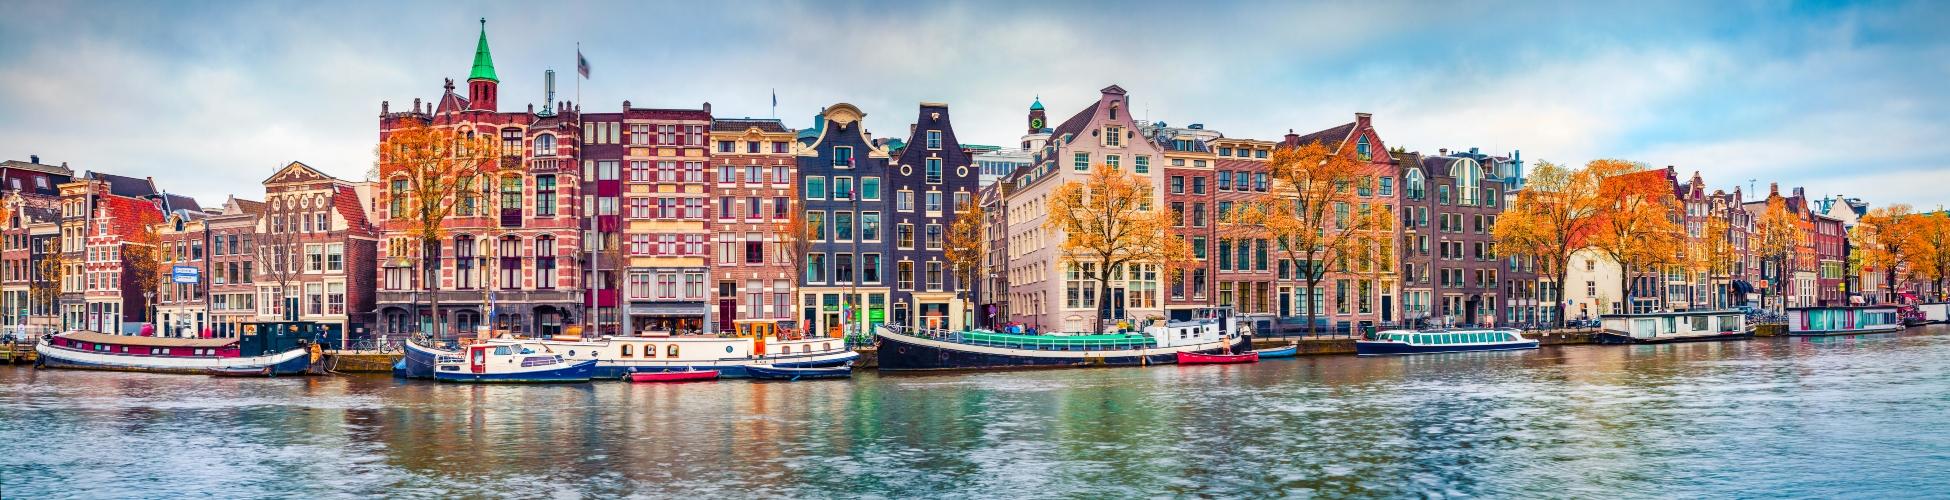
(545, 262)
(666, 171)
(843, 156)
(934, 275)
(780, 207)
(842, 225)
(842, 188)
(396, 198)
(870, 268)
(1141, 164)
(934, 201)
(815, 268)
(933, 170)
(780, 175)
(1113, 135)
(816, 222)
(1198, 185)
(904, 274)
(961, 201)
(934, 236)
(1361, 149)
(904, 201)
(754, 174)
(842, 268)
(751, 147)
(869, 189)
(1442, 194)
(314, 258)
(1082, 163)
(335, 298)
(693, 171)
(904, 236)
(639, 208)
(1225, 181)
(725, 146)
(815, 187)
(727, 174)
(335, 257)
(870, 226)
(694, 135)
(545, 195)
(934, 139)
(1225, 151)
(1387, 186)
(1112, 161)
(545, 145)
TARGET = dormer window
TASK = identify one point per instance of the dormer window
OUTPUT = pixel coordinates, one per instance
(1361, 149)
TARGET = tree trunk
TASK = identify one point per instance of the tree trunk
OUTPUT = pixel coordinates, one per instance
(1103, 301)
(433, 283)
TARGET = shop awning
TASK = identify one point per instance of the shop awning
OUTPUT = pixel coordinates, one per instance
(668, 309)
(1740, 286)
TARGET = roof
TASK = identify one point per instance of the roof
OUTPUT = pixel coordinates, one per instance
(125, 186)
(103, 338)
(1332, 138)
(176, 202)
(348, 204)
(667, 114)
(483, 62)
(741, 125)
(1037, 105)
(1076, 123)
(40, 214)
(46, 169)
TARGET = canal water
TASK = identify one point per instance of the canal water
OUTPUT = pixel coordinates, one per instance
(1863, 417)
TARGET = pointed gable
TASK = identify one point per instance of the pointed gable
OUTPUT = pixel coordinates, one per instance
(297, 172)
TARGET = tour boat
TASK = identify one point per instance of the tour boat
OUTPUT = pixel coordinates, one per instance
(1212, 331)
(1193, 358)
(683, 376)
(752, 342)
(780, 373)
(526, 362)
(1843, 320)
(1436, 341)
(1663, 328)
(1279, 352)
(284, 348)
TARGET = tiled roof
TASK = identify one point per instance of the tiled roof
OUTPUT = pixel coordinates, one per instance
(248, 206)
(740, 125)
(125, 186)
(1332, 138)
(46, 169)
(41, 214)
(176, 202)
(347, 202)
(667, 114)
(1076, 123)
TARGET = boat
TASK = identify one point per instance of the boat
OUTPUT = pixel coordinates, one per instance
(752, 342)
(1279, 352)
(528, 362)
(1937, 312)
(1211, 331)
(1843, 320)
(780, 373)
(1673, 327)
(285, 348)
(240, 372)
(1392, 342)
(684, 376)
(1193, 358)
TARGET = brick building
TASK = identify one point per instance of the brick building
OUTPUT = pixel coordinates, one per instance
(755, 167)
(100, 216)
(1361, 291)
(321, 248)
(233, 260)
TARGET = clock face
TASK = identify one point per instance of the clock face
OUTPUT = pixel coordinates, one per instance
(1036, 123)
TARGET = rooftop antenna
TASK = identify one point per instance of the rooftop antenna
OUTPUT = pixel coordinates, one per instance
(1750, 185)
(549, 82)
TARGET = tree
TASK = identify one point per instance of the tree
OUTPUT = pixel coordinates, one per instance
(147, 265)
(1553, 216)
(424, 171)
(1778, 236)
(967, 241)
(1712, 252)
(1314, 218)
(1931, 244)
(277, 246)
(49, 275)
(1884, 238)
(1638, 229)
(1107, 223)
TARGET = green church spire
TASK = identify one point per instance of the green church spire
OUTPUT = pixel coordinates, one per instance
(483, 62)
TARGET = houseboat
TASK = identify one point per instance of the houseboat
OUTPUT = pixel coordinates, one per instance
(1934, 313)
(1211, 331)
(1394, 342)
(517, 362)
(752, 342)
(285, 348)
(1662, 328)
(1843, 320)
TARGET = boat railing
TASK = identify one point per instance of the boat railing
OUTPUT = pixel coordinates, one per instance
(1036, 342)
(446, 359)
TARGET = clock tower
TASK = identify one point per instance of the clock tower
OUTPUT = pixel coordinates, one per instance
(1037, 122)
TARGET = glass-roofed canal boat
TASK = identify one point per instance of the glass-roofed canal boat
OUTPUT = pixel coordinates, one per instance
(1211, 331)
(1392, 342)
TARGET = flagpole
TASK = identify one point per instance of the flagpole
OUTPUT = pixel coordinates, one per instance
(589, 279)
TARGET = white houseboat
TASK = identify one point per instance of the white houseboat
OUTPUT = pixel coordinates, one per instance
(1843, 320)
(1661, 328)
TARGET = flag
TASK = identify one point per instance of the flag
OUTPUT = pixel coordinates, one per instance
(582, 64)
(775, 98)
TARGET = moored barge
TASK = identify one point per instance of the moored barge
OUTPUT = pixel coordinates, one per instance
(1214, 331)
(1843, 320)
(1672, 327)
(283, 348)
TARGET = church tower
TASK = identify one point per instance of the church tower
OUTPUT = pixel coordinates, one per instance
(1037, 122)
(481, 85)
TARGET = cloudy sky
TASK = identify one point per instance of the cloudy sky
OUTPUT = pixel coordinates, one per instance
(1841, 98)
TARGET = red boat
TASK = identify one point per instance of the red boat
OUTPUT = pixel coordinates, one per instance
(683, 376)
(1192, 358)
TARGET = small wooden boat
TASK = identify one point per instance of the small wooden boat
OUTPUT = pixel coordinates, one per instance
(1192, 358)
(1280, 352)
(677, 376)
(239, 372)
(777, 373)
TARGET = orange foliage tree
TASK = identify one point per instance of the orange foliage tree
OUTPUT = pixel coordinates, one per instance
(1778, 235)
(1315, 219)
(1883, 238)
(1110, 220)
(1638, 229)
(1931, 244)
(1558, 209)
(424, 173)
(967, 243)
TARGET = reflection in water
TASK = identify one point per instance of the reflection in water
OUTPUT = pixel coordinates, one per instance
(1867, 416)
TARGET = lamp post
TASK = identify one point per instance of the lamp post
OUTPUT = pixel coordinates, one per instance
(149, 298)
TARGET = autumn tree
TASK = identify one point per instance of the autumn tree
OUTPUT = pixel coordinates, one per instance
(424, 171)
(1712, 251)
(967, 241)
(1557, 210)
(1108, 222)
(147, 265)
(1883, 240)
(1931, 244)
(1313, 215)
(1777, 236)
(49, 274)
(1637, 228)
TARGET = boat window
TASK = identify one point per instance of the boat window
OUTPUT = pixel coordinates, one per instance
(572, 352)
(1699, 323)
(1728, 323)
(1418, 338)
(649, 350)
(826, 346)
(625, 351)
(672, 352)
(503, 351)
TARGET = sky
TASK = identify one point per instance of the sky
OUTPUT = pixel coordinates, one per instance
(210, 98)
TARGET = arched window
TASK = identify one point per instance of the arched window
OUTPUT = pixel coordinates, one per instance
(1415, 184)
(1469, 181)
(649, 351)
(1361, 149)
(545, 145)
(672, 353)
(626, 351)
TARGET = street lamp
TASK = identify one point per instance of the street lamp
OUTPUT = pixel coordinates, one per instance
(149, 298)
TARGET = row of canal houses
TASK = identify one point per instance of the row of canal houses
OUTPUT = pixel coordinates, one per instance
(646, 219)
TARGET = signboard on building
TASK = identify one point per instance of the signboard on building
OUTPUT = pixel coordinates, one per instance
(183, 274)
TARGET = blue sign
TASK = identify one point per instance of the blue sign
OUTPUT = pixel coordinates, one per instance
(183, 274)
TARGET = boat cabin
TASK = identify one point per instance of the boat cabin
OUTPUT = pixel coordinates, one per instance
(1675, 324)
(147, 346)
(1843, 319)
(501, 358)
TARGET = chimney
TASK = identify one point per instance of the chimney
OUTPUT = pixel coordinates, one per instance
(1443, 151)
(34, 159)
(707, 108)
(531, 108)
(1773, 189)
(416, 105)
(1797, 192)
(1292, 139)
(1472, 151)
(626, 105)
(383, 107)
